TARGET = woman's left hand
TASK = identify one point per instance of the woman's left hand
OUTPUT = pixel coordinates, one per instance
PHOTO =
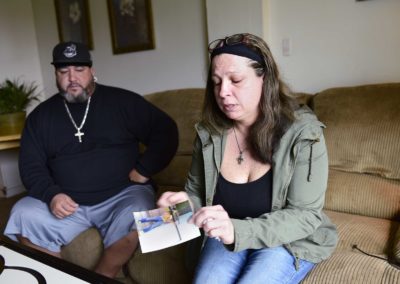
(215, 222)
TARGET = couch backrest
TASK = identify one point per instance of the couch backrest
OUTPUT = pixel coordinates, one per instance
(363, 141)
(184, 106)
(362, 136)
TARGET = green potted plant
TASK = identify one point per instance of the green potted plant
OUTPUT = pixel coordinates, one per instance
(15, 96)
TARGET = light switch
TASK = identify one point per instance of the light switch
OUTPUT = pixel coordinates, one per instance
(286, 47)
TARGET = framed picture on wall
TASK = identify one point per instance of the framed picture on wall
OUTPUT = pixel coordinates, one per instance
(73, 21)
(131, 23)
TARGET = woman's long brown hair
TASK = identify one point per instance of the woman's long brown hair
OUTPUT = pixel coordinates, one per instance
(276, 105)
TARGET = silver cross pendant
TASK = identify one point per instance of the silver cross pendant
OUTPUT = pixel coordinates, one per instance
(79, 134)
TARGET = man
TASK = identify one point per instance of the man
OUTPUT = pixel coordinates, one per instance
(81, 166)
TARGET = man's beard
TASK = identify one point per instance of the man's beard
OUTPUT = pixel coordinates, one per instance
(80, 98)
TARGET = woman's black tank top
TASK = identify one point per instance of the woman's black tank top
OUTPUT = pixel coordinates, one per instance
(242, 200)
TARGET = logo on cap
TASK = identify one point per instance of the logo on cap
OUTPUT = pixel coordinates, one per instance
(70, 51)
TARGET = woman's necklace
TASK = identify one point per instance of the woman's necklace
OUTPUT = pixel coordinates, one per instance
(240, 158)
(78, 133)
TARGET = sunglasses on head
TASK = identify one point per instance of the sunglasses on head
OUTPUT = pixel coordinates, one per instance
(237, 44)
(229, 40)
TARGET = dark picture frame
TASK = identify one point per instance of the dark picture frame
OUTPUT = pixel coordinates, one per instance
(131, 24)
(73, 21)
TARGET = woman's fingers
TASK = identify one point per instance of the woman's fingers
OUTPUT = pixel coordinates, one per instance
(170, 198)
(215, 222)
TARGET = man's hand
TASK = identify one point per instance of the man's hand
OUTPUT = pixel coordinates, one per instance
(62, 206)
(136, 177)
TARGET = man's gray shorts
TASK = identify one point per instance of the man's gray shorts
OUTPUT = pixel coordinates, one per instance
(32, 219)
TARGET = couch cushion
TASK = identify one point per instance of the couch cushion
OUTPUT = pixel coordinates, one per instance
(351, 268)
(348, 265)
(363, 194)
(164, 188)
(160, 267)
(363, 128)
(184, 106)
(373, 235)
(175, 173)
(85, 250)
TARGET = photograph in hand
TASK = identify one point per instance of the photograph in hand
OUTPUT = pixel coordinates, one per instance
(164, 227)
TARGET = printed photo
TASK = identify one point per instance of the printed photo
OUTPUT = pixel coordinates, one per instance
(164, 227)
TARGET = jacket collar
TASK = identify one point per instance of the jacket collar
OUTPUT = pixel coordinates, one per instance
(216, 140)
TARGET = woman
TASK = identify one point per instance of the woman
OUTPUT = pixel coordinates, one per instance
(259, 173)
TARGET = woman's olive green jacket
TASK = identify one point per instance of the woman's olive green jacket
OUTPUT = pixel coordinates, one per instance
(300, 173)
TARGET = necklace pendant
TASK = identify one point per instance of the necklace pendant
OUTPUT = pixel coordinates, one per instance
(240, 158)
(79, 134)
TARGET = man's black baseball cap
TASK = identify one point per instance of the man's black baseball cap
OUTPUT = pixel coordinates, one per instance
(71, 53)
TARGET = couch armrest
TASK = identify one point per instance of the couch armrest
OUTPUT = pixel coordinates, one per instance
(396, 246)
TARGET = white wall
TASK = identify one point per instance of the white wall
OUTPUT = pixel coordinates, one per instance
(335, 43)
(178, 61)
(227, 17)
(18, 47)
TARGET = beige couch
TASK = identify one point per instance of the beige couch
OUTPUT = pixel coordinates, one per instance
(363, 197)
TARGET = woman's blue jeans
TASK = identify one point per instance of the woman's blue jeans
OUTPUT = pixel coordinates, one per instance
(217, 265)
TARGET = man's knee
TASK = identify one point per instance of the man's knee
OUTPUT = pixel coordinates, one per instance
(127, 243)
(129, 240)
(132, 236)
(27, 210)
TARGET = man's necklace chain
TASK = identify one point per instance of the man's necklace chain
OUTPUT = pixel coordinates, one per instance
(78, 133)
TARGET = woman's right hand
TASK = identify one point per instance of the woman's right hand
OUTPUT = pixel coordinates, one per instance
(170, 198)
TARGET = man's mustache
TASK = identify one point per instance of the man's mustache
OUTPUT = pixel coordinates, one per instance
(74, 85)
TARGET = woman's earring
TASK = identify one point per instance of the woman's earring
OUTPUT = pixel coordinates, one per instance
(94, 78)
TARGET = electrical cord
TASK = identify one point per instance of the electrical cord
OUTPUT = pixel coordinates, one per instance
(375, 256)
